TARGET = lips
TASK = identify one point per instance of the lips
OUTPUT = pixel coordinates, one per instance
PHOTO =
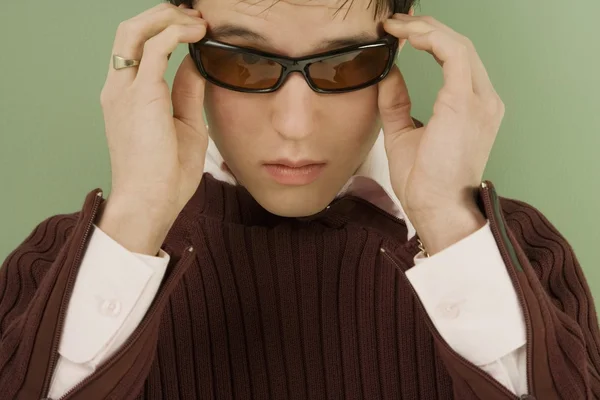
(294, 173)
(294, 164)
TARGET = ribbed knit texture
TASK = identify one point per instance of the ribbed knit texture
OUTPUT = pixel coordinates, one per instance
(281, 308)
(569, 306)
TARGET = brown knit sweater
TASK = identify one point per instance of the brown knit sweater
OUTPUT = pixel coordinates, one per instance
(265, 307)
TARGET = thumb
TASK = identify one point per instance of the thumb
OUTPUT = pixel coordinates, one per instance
(188, 115)
(188, 96)
(400, 136)
(394, 104)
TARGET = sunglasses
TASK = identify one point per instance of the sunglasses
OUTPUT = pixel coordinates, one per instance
(253, 71)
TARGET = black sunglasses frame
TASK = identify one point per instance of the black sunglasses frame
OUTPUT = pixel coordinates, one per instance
(290, 64)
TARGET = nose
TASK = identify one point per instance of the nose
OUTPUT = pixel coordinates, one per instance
(294, 108)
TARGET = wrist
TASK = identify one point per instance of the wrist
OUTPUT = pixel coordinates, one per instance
(139, 228)
(444, 227)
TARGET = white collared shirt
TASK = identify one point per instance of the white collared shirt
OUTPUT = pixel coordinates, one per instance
(479, 317)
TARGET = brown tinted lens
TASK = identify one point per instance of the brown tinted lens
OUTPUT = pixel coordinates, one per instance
(241, 70)
(351, 69)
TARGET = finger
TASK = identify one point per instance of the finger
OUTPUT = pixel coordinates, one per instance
(154, 61)
(394, 104)
(133, 33)
(400, 136)
(451, 53)
(403, 153)
(481, 81)
(188, 95)
(188, 106)
(482, 84)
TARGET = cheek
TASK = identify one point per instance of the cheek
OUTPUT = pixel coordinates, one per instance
(354, 117)
(231, 115)
(226, 109)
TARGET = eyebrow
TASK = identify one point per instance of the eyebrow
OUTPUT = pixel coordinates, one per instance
(227, 31)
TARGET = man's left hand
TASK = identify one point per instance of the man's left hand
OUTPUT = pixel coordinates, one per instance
(436, 169)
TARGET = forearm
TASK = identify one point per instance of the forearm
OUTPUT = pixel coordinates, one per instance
(441, 229)
(138, 228)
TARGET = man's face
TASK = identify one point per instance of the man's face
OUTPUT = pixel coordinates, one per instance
(255, 132)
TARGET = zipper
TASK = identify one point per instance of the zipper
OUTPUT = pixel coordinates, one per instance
(435, 333)
(63, 312)
(69, 289)
(487, 187)
(131, 339)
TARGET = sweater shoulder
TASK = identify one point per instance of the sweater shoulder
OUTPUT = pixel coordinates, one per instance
(50, 233)
(536, 235)
(42, 245)
(520, 214)
(25, 268)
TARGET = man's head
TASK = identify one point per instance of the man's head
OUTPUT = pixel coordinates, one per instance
(258, 134)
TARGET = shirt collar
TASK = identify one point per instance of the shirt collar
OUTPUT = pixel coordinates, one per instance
(371, 181)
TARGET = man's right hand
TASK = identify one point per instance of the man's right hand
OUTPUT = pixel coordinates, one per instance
(157, 156)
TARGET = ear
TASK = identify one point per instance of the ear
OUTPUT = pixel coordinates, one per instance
(402, 42)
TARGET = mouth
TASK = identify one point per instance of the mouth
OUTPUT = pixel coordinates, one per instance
(294, 173)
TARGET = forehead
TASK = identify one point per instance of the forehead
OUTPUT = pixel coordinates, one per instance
(292, 27)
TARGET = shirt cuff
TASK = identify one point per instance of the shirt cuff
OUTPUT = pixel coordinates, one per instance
(110, 282)
(470, 298)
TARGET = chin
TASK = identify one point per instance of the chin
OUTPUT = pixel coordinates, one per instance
(293, 203)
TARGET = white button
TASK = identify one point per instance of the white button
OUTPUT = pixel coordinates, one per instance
(448, 310)
(110, 308)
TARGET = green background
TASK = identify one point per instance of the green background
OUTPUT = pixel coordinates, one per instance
(542, 56)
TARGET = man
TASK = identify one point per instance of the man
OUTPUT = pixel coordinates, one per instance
(296, 251)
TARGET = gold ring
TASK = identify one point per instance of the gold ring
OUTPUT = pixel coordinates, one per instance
(120, 62)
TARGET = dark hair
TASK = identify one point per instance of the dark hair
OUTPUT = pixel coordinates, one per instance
(382, 7)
